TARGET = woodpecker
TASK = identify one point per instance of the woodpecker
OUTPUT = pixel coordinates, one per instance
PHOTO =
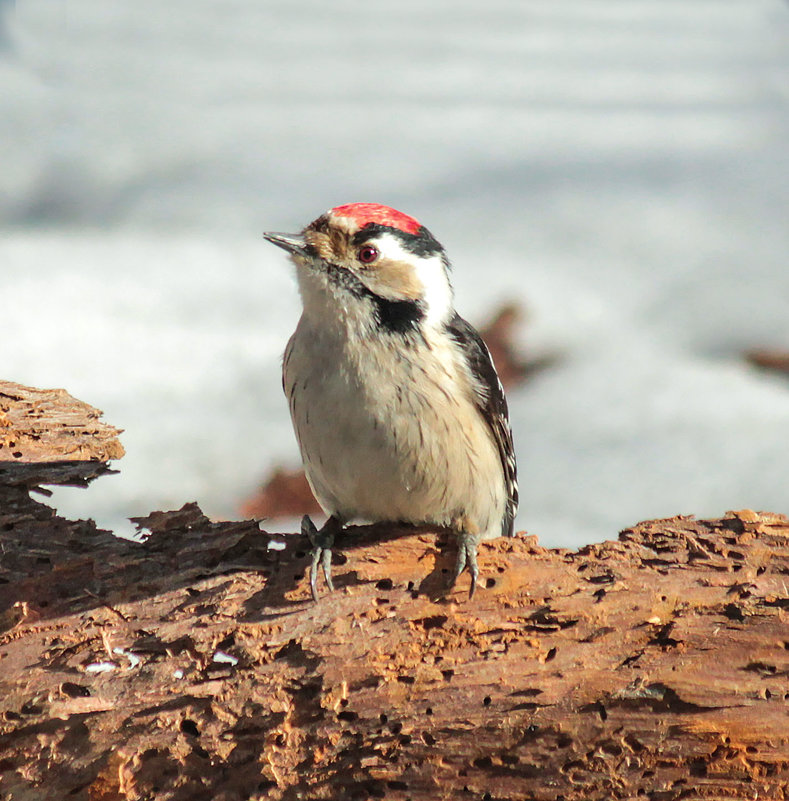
(397, 408)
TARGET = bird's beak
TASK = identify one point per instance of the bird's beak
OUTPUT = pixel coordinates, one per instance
(293, 243)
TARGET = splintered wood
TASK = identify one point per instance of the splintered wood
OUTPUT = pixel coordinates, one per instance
(195, 666)
(48, 427)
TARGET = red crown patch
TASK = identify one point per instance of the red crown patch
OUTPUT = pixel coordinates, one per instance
(365, 213)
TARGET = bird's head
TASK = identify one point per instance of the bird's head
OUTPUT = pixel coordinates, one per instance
(368, 263)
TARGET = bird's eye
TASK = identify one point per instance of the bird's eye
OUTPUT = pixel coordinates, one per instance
(367, 255)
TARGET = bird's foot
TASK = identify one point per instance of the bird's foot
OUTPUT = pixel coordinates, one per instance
(322, 543)
(467, 558)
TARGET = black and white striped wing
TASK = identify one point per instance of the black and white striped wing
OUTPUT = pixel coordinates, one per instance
(493, 406)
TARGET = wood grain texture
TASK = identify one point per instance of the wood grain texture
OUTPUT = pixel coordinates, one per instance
(49, 437)
(194, 665)
(655, 666)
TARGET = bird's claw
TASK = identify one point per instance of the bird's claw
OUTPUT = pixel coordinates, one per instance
(322, 542)
(467, 558)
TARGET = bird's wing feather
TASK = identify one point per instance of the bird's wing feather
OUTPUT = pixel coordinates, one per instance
(490, 399)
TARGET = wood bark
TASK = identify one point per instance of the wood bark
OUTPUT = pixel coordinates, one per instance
(194, 665)
(48, 437)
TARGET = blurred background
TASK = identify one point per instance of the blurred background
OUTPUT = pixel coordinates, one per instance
(618, 168)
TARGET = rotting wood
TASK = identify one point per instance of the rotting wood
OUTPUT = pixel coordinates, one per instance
(194, 666)
(49, 437)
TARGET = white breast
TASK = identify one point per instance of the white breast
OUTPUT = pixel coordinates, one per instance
(388, 438)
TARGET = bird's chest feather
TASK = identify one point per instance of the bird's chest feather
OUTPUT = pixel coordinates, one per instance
(374, 421)
(365, 395)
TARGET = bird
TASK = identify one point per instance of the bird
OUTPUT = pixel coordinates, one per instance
(396, 404)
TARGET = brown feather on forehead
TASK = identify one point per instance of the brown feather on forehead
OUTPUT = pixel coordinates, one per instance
(332, 239)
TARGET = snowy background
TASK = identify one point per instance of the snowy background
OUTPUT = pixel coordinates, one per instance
(620, 166)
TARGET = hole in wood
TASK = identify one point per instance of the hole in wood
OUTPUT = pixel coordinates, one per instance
(190, 727)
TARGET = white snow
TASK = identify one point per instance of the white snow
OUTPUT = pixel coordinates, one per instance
(619, 166)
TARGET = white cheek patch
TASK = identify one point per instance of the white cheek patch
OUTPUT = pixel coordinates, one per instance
(430, 272)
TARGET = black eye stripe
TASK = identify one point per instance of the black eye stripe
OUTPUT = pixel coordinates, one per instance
(422, 243)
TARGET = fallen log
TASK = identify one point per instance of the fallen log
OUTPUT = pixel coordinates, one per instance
(194, 665)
